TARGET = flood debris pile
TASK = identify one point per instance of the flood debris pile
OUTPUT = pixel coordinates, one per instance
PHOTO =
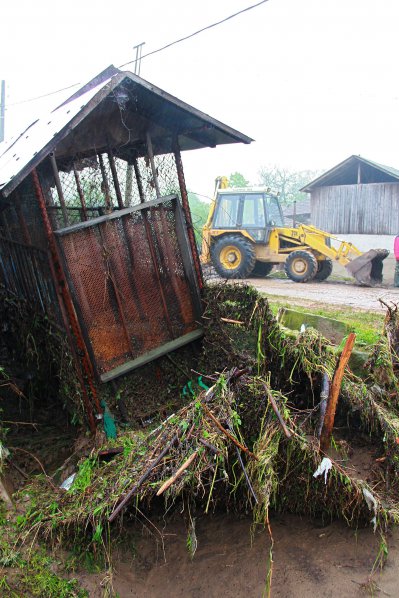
(249, 437)
(35, 357)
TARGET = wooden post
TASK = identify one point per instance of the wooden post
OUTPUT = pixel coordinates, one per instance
(59, 188)
(80, 193)
(152, 163)
(325, 436)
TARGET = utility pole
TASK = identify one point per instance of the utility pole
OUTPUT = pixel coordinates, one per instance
(2, 109)
(139, 52)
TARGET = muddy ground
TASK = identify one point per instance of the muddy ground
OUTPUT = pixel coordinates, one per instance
(333, 292)
(310, 560)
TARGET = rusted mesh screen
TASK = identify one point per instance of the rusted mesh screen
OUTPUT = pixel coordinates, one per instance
(98, 189)
(130, 285)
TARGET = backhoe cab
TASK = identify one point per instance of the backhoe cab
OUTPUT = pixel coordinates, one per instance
(245, 236)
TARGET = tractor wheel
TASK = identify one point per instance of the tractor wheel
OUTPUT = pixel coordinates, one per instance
(233, 256)
(301, 266)
(262, 269)
(324, 269)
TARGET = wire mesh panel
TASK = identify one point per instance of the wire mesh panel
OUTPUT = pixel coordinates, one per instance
(133, 283)
(25, 273)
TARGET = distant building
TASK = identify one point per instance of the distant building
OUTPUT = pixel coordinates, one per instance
(297, 213)
(356, 197)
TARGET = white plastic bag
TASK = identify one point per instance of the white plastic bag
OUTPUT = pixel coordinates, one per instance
(324, 467)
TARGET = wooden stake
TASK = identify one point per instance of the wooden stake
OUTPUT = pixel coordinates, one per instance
(277, 412)
(143, 478)
(178, 473)
(226, 433)
(325, 436)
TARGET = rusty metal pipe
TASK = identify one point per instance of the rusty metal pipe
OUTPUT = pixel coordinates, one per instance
(60, 283)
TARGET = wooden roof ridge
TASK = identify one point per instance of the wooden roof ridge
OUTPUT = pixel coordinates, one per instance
(323, 179)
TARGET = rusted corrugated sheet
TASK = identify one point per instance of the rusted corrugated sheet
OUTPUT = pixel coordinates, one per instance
(357, 209)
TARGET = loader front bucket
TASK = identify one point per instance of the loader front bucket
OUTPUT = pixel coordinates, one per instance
(367, 268)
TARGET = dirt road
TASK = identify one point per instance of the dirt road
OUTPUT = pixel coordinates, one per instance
(335, 293)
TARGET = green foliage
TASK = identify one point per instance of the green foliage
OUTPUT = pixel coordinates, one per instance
(199, 213)
(236, 179)
(286, 182)
(41, 581)
(31, 571)
(83, 478)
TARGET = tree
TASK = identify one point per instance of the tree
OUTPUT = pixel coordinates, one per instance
(199, 212)
(236, 179)
(286, 182)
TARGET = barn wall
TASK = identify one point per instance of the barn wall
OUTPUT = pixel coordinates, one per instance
(357, 209)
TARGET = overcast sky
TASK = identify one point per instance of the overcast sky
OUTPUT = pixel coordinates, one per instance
(312, 81)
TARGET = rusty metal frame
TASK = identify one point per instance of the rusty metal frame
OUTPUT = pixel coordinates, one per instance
(83, 363)
(188, 267)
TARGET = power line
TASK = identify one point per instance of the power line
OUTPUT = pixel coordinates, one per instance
(182, 39)
(45, 95)
(178, 41)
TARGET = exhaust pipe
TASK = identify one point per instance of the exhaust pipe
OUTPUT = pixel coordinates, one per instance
(367, 268)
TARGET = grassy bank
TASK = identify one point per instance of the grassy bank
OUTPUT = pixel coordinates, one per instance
(368, 325)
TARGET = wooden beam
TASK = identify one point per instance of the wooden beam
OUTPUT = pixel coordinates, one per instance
(326, 432)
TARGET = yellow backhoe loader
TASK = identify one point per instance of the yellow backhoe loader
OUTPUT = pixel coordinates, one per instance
(245, 236)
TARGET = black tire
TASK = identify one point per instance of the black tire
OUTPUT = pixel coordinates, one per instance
(324, 269)
(262, 269)
(300, 266)
(233, 256)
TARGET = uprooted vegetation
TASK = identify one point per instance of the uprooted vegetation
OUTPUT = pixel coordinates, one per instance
(243, 435)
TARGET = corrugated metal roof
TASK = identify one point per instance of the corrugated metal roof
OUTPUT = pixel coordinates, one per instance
(39, 135)
(337, 174)
(194, 128)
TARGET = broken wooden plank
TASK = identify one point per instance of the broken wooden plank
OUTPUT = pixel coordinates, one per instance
(326, 432)
(177, 474)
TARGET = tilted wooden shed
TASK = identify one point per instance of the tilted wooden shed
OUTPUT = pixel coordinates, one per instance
(95, 227)
(356, 197)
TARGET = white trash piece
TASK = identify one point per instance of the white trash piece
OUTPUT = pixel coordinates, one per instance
(4, 452)
(324, 467)
(372, 505)
(66, 484)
